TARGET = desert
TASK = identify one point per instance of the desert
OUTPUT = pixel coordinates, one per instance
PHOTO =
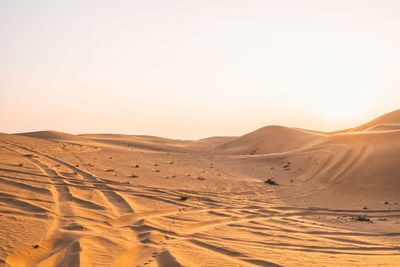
(277, 196)
(171, 133)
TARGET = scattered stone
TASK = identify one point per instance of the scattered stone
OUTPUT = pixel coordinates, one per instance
(136, 166)
(201, 178)
(35, 246)
(386, 202)
(365, 208)
(183, 198)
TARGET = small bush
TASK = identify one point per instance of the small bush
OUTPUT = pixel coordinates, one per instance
(270, 182)
(363, 218)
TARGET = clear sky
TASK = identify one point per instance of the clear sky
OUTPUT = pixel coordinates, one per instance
(192, 69)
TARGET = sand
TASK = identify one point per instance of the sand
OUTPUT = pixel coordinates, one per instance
(121, 200)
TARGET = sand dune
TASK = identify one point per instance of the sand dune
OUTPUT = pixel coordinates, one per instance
(121, 200)
(270, 139)
(141, 142)
(388, 118)
(52, 135)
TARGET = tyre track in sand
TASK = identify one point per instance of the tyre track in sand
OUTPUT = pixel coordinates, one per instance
(116, 200)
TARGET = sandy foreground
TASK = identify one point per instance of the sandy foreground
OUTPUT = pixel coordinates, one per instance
(120, 200)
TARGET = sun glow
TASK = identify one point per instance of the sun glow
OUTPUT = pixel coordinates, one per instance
(341, 87)
(342, 103)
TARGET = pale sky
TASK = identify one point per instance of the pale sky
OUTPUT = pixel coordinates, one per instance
(193, 69)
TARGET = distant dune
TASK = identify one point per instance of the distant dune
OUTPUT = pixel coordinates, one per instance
(388, 118)
(270, 139)
(277, 196)
(52, 135)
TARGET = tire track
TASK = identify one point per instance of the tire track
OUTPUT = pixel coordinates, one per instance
(114, 198)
